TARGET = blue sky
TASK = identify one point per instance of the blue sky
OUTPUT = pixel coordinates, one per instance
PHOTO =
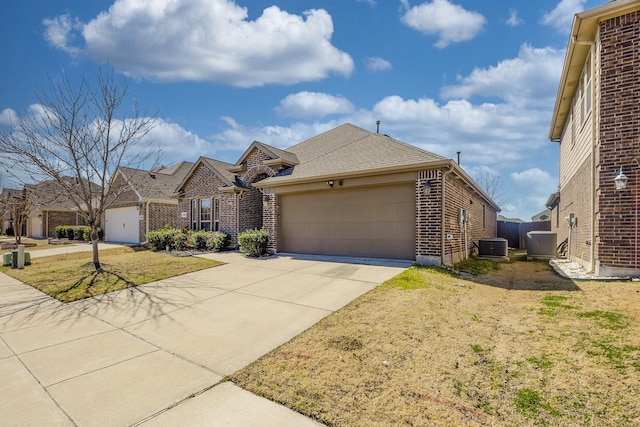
(444, 75)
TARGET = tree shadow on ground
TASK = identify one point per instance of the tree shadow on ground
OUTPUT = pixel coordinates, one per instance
(523, 275)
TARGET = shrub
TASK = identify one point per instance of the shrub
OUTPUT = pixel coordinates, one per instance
(198, 240)
(162, 239)
(216, 240)
(180, 241)
(76, 232)
(254, 242)
(86, 234)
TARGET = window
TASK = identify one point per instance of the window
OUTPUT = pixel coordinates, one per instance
(194, 214)
(484, 223)
(205, 214)
(585, 90)
(216, 214)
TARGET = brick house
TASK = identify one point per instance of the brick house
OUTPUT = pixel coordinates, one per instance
(8, 198)
(346, 192)
(50, 206)
(595, 121)
(141, 201)
(219, 196)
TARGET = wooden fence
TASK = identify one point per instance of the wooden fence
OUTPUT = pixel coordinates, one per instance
(516, 233)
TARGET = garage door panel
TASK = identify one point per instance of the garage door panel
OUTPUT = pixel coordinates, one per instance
(122, 225)
(373, 221)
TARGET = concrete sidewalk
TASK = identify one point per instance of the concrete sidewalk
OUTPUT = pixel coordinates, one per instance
(155, 354)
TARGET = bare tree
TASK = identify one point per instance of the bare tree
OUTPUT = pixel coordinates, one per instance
(18, 206)
(81, 134)
(492, 184)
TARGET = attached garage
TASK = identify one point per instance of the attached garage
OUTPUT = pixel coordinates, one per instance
(377, 222)
(122, 225)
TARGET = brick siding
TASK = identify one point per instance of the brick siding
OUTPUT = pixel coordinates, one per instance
(619, 143)
(482, 219)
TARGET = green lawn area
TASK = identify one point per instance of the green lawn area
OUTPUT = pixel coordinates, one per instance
(72, 277)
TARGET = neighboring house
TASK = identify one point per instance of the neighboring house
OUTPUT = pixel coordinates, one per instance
(347, 192)
(49, 207)
(596, 122)
(545, 215)
(8, 198)
(502, 218)
(141, 201)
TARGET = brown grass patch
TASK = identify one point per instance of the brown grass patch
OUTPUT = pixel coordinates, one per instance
(71, 277)
(524, 347)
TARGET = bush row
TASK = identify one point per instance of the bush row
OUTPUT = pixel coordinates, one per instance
(183, 239)
(254, 242)
(76, 232)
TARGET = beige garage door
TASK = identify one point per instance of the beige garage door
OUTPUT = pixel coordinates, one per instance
(369, 222)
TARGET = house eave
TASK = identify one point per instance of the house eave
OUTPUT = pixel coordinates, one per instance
(583, 33)
(415, 167)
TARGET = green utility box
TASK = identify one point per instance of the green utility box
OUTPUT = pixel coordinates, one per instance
(6, 259)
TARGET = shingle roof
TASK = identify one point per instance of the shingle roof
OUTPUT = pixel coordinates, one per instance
(349, 148)
(277, 153)
(222, 168)
(159, 183)
(49, 195)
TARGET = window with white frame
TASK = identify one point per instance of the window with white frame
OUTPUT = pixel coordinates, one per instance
(216, 214)
(205, 214)
(194, 214)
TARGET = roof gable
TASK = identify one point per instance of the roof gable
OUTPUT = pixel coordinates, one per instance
(221, 169)
(273, 153)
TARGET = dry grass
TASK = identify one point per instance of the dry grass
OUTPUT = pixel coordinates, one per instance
(524, 347)
(72, 277)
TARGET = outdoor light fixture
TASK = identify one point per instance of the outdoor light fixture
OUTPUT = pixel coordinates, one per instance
(330, 183)
(265, 200)
(620, 180)
(426, 188)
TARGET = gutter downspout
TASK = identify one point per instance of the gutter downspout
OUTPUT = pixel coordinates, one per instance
(442, 213)
(146, 221)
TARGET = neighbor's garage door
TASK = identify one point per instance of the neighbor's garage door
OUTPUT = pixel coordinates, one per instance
(122, 225)
(369, 222)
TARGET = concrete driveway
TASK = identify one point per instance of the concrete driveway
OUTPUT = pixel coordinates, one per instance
(155, 355)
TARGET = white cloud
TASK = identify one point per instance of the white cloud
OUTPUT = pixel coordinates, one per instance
(513, 20)
(8, 117)
(207, 40)
(531, 189)
(561, 17)
(529, 79)
(313, 104)
(375, 63)
(450, 22)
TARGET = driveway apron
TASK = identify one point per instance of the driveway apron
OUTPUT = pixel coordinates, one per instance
(156, 354)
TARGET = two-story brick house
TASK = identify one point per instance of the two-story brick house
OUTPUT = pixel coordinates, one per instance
(596, 121)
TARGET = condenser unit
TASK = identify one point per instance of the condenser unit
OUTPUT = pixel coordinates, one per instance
(496, 247)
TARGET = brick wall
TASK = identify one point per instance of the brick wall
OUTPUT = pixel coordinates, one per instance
(619, 142)
(52, 219)
(205, 184)
(125, 195)
(428, 218)
(481, 224)
(160, 216)
(270, 219)
(575, 198)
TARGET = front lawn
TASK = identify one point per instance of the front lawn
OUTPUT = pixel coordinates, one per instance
(524, 347)
(72, 277)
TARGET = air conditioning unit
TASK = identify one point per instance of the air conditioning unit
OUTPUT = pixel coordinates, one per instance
(541, 244)
(497, 247)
